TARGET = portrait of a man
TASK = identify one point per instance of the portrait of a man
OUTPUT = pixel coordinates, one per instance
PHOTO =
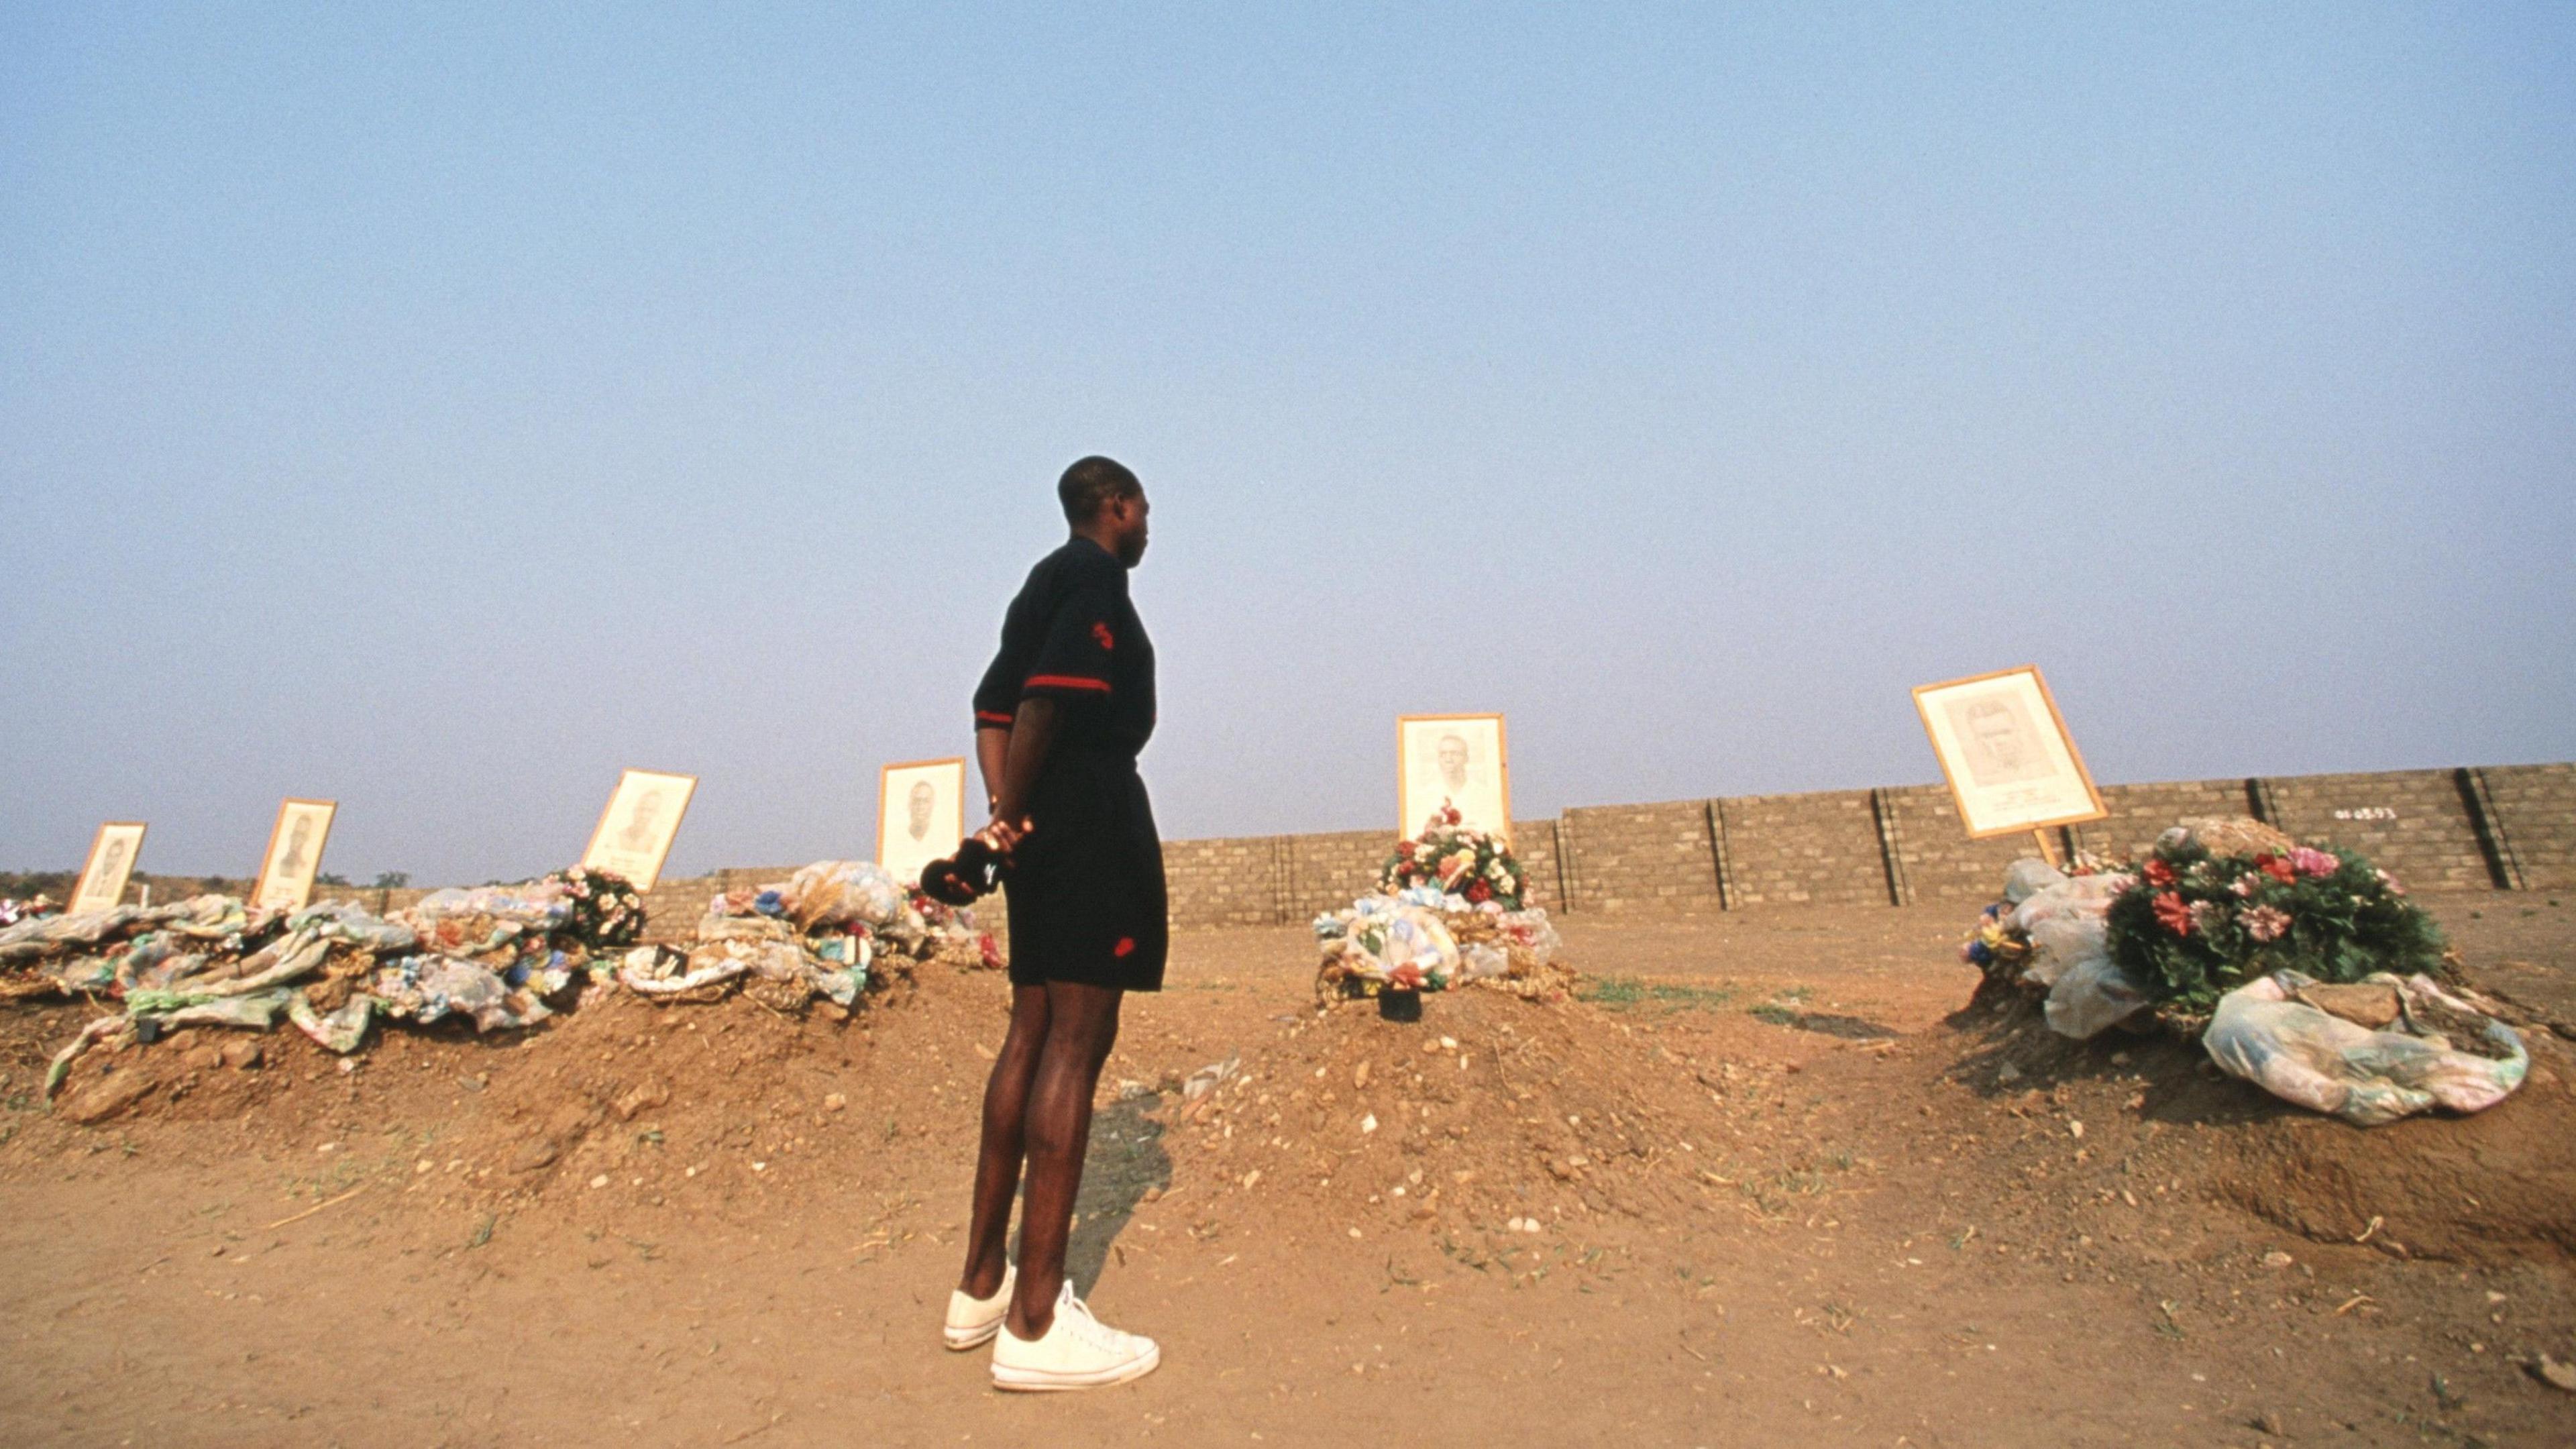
(110, 865)
(917, 810)
(637, 837)
(2002, 745)
(634, 834)
(294, 858)
(1456, 760)
(2006, 753)
(921, 815)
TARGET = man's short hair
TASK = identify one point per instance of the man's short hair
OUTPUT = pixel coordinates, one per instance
(1092, 482)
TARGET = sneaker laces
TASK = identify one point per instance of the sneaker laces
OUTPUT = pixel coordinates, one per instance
(1077, 1314)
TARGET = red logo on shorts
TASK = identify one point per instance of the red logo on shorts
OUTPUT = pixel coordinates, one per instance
(1101, 633)
(1125, 948)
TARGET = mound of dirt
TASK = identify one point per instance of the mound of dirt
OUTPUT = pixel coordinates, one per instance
(1491, 1115)
(619, 1111)
(2138, 1118)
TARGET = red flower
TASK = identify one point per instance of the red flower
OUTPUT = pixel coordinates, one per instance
(2175, 916)
(2277, 868)
(2158, 873)
(1479, 893)
(1407, 977)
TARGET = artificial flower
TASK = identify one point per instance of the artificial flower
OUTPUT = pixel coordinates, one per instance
(2265, 923)
(2172, 913)
(1455, 866)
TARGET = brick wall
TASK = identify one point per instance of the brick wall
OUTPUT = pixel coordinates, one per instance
(1642, 855)
(2414, 824)
(2468, 829)
(1798, 849)
(1237, 882)
(2537, 805)
(1935, 859)
(2140, 813)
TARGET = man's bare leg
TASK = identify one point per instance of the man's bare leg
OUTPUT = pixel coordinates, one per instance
(1082, 1024)
(997, 1164)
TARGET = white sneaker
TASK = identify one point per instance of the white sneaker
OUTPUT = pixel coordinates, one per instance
(972, 1322)
(1077, 1351)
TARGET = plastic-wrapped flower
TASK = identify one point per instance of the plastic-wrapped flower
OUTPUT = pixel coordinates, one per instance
(2172, 913)
(2265, 923)
(2313, 863)
(1456, 866)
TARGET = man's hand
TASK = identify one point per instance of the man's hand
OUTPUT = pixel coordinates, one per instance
(1003, 835)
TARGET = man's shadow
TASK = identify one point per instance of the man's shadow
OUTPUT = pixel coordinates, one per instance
(1124, 1161)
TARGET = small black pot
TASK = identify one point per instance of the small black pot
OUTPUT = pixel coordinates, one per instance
(1395, 1005)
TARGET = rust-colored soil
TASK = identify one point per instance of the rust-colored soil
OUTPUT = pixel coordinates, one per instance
(1774, 1181)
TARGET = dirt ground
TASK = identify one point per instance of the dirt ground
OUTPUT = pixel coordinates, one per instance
(1774, 1179)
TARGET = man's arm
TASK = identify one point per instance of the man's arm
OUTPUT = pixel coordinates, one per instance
(1024, 750)
(992, 746)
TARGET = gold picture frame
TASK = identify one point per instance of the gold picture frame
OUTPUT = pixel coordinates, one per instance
(103, 875)
(638, 850)
(293, 859)
(2006, 753)
(1427, 772)
(929, 828)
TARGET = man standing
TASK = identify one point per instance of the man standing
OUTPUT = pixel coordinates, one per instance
(1059, 720)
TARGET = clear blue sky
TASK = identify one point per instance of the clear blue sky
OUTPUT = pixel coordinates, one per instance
(439, 411)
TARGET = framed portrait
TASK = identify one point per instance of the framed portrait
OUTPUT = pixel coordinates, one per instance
(1454, 759)
(921, 815)
(2006, 753)
(294, 855)
(636, 830)
(110, 865)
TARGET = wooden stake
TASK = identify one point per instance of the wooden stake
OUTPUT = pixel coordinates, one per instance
(2047, 852)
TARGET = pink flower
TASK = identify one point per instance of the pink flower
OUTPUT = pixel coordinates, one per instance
(2172, 913)
(2265, 923)
(2208, 916)
(2314, 862)
(2247, 884)
(2390, 882)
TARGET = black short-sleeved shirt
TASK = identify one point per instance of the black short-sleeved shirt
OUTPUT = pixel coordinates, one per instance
(1073, 635)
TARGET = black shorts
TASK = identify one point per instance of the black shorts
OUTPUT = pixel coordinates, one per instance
(1086, 894)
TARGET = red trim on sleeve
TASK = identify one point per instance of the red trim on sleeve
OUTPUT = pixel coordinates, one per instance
(1065, 681)
(986, 716)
